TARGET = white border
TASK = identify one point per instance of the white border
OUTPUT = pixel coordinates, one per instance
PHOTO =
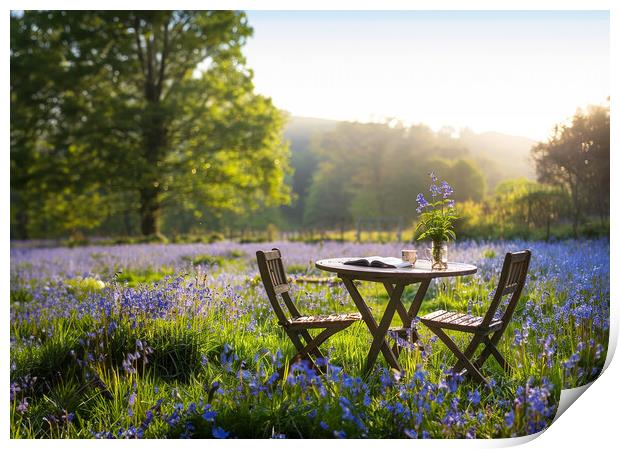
(459, 5)
(591, 421)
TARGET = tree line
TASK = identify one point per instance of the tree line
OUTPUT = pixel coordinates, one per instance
(576, 159)
(368, 171)
(138, 122)
(365, 171)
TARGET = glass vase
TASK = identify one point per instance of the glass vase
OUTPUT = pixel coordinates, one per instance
(439, 256)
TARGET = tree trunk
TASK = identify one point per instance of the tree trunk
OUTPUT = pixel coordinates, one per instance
(576, 210)
(127, 222)
(602, 211)
(149, 211)
(22, 224)
(155, 141)
(154, 126)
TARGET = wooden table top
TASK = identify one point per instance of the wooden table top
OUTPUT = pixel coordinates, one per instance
(421, 270)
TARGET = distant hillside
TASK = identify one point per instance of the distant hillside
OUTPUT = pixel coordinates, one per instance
(300, 131)
(500, 156)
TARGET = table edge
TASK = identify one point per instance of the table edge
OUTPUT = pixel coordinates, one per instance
(366, 275)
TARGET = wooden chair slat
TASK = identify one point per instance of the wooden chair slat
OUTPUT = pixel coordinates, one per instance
(473, 321)
(290, 305)
(279, 289)
(489, 329)
(435, 314)
(465, 319)
(454, 318)
(270, 255)
(277, 286)
(445, 317)
(320, 321)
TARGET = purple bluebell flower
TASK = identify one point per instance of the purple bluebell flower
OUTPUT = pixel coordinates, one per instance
(219, 433)
(422, 203)
(22, 407)
(569, 284)
(410, 433)
(446, 189)
(474, 397)
(340, 434)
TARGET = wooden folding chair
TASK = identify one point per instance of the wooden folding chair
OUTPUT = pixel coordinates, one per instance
(297, 326)
(487, 330)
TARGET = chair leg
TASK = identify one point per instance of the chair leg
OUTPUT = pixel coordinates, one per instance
(308, 339)
(302, 352)
(501, 360)
(294, 336)
(491, 349)
(312, 345)
(469, 352)
(318, 340)
(471, 368)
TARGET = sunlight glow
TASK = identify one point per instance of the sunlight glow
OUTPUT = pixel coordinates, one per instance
(513, 72)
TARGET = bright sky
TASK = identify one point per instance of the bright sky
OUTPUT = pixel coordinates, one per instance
(512, 72)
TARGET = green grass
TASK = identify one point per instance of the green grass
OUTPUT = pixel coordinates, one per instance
(133, 278)
(202, 342)
(185, 359)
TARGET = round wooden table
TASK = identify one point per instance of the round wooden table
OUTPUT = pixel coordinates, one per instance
(394, 280)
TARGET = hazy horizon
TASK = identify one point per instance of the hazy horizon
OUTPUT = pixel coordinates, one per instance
(457, 130)
(512, 72)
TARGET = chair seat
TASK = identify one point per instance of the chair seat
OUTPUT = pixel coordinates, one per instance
(459, 322)
(323, 321)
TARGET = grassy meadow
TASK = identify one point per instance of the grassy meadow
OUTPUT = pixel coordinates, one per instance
(179, 341)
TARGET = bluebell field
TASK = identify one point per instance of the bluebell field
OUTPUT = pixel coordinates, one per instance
(179, 341)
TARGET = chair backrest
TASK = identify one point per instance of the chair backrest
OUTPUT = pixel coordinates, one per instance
(511, 282)
(276, 283)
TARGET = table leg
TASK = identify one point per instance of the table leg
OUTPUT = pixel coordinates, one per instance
(408, 316)
(400, 307)
(381, 332)
(378, 332)
(417, 301)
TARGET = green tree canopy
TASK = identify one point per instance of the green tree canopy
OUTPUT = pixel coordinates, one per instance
(374, 170)
(576, 157)
(144, 108)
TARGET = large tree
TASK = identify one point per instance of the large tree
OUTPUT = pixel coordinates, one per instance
(145, 107)
(576, 157)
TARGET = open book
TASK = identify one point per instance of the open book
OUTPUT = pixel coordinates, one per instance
(379, 262)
